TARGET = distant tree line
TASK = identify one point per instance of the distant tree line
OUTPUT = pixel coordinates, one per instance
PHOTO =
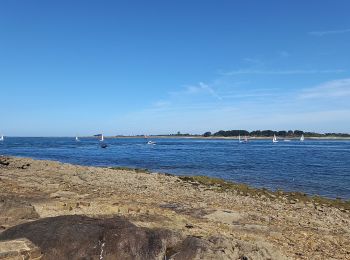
(270, 133)
(180, 134)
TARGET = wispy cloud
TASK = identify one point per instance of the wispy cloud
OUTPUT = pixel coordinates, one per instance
(207, 106)
(161, 103)
(250, 94)
(253, 61)
(256, 95)
(323, 33)
(279, 72)
(330, 89)
(199, 89)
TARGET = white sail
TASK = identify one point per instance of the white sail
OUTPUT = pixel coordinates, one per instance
(77, 139)
(302, 138)
(102, 138)
(245, 140)
(274, 139)
(2, 138)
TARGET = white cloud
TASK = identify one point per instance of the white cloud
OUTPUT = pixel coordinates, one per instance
(222, 104)
(322, 33)
(199, 89)
(253, 61)
(214, 118)
(320, 121)
(279, 72)
(249, 95)
(161, 103)
(330, 89)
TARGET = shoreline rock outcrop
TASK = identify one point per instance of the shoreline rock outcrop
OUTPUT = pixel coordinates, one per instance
(51, 210)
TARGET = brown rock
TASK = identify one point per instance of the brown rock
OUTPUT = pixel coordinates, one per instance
(77, 237)
(19, 249)
(14, 211)
(81, 237)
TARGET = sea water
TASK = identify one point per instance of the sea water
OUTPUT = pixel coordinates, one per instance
(319, 167)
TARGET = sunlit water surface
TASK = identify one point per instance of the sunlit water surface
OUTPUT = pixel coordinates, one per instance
(313, 166)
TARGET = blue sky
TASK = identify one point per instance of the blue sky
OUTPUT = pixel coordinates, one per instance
(153, 67)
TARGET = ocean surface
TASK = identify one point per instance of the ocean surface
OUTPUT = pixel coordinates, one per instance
(315, 166)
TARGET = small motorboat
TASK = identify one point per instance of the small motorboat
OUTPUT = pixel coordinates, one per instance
(104, 145)
(151, 142)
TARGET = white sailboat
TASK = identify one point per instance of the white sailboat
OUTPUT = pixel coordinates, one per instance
(2, 138)
(77, 139)
(274, 139)
(245, 140)
(103, 145)
(302, 138)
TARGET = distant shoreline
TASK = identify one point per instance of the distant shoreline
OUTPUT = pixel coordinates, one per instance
(223, 137)
(251, 138)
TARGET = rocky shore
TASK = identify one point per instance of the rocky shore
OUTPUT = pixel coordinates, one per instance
(51, 210)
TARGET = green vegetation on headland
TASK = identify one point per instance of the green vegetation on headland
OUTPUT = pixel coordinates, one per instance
(221, 185)
(270, 133)
(254, 134)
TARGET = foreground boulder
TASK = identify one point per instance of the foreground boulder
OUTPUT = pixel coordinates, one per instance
(81, 237)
